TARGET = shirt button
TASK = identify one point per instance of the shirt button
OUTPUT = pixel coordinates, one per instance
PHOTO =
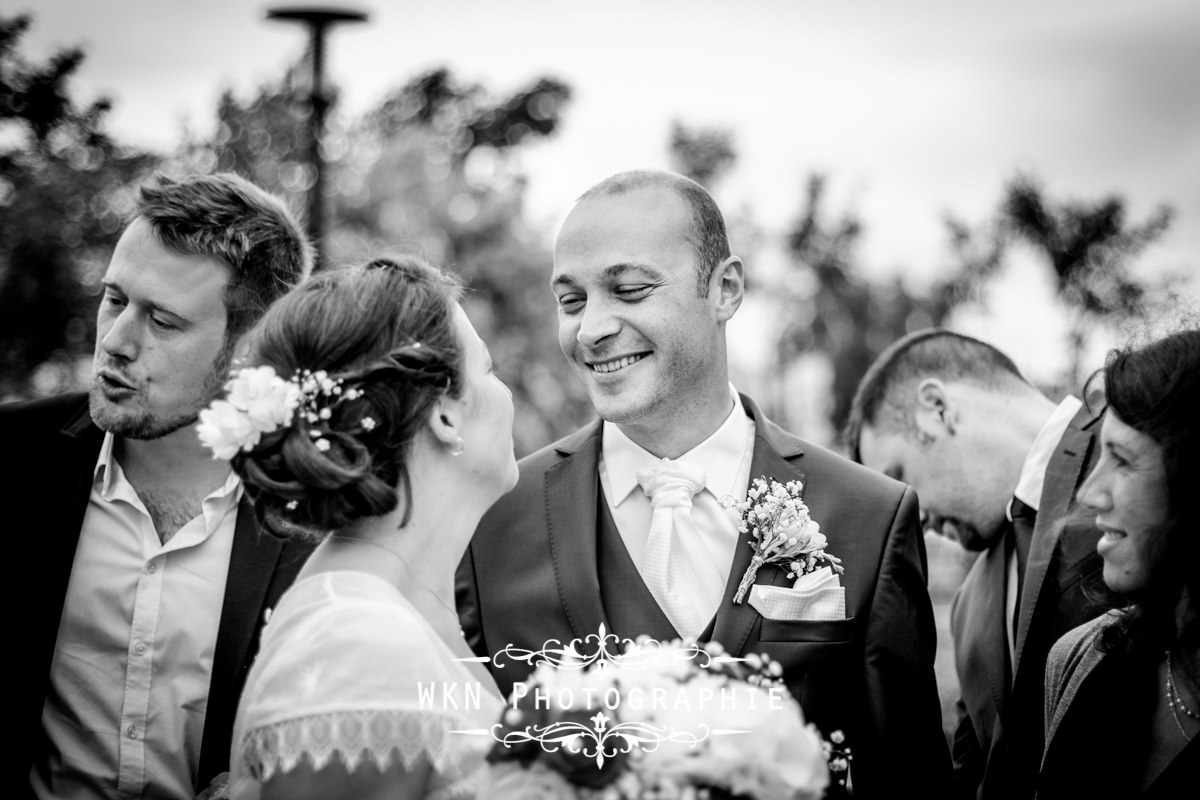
(151, 568)
(140, 648)
(131, 732)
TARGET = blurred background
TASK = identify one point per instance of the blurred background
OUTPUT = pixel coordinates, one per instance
(1025, 172)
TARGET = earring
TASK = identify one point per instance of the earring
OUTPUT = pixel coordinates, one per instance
(459, 447)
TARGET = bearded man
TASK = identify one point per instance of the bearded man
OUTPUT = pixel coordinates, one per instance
(151, 579)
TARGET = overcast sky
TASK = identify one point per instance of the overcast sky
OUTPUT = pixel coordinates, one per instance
(912, 107)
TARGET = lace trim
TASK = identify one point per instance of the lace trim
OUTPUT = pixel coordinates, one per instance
(358, 736)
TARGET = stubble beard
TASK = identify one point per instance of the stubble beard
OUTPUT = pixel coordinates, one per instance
(141, 423)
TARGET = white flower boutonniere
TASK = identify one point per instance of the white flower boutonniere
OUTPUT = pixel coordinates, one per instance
(781, 532)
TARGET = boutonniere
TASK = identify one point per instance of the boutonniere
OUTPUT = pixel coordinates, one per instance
(781, 531)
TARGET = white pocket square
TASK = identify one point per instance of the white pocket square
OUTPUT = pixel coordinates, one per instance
(818, 596)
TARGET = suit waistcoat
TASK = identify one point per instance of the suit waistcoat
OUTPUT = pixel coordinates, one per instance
(630, 607)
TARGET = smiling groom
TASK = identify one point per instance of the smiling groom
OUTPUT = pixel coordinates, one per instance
(621, 523)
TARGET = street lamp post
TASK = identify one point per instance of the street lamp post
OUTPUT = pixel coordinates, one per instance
(318, 19)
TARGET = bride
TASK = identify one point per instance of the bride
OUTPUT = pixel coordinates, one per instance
(373, 422)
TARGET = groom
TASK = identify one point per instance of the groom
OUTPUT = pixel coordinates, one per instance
(645, 284)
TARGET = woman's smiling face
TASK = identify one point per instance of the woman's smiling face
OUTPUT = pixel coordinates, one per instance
(1128, 491)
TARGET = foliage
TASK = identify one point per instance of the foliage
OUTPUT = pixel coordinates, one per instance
(1091, 249)
(831, 308)
(432, 169)
(64, 193)
(703, 154)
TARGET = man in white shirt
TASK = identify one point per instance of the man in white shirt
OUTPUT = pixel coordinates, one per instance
(151, 576)
(620, 525)
(995, 464)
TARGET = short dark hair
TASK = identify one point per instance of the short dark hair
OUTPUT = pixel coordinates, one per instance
(227, 217)
(882, 396)
(707, 235)
(1155, 389)
(385, 330)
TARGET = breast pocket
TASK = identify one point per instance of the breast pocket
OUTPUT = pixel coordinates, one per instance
(812, 654)
(806, 645)
(799, 631)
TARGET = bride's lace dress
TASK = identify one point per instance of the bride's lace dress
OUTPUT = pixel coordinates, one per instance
(349, 670)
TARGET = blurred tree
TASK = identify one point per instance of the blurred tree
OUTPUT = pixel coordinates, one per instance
(826, 306)
(706, 155)
(1091, 249)
(829, 307)
(703, 154)
(262, 139)
(433, 170)
(64, 194)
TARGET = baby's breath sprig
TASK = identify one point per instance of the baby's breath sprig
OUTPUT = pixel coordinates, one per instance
(781, 531)
(837, 756)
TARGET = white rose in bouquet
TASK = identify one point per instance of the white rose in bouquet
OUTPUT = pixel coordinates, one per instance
(662, 721)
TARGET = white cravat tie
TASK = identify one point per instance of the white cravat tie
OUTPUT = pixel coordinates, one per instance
(686, 584)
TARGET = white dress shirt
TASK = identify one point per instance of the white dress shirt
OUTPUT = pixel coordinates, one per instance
(133, 661)
(1029, 492)
(725, 457)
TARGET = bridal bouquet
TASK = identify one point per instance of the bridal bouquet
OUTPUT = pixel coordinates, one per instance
(662, 720)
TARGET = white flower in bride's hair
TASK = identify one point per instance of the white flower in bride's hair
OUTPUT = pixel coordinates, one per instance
(257, 401)
(268, 400)
(225, 429)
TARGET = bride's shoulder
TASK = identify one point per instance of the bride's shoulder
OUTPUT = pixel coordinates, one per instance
(348, 613)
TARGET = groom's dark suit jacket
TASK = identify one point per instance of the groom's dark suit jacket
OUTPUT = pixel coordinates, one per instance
(998, 742)
(546, 563)
(52, 447)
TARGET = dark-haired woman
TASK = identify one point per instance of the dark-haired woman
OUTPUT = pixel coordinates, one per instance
(371, 420)
(1123, 691)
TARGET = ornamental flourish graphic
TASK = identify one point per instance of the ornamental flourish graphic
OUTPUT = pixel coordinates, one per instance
(602, 696)
(642, 653)
(598, 740)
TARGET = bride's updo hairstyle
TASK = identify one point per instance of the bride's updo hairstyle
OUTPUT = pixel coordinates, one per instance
(384, 336)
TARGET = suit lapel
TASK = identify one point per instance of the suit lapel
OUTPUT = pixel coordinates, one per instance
(991, 625)
(772, 448)
(981, 651)
(1063, 475)
(76, 449)
(251, 564)
(61, 505)
(571, 492)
